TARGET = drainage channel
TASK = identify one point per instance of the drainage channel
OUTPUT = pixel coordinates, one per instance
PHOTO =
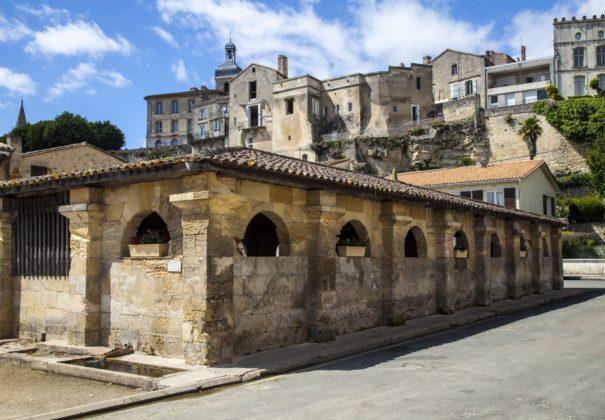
(123, 366)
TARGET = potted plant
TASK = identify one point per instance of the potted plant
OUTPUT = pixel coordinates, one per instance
(352, 247)
(523, 253)
(460, 253)
(152, 243)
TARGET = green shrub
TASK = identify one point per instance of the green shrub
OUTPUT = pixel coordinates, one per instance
(586, 209)
(465, 161)
(418, 131)
(581, 245)
(577, 179)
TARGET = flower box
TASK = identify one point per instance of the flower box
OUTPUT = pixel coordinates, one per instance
(148, 250)
(459, 253)
(351, 251)
(523, 254)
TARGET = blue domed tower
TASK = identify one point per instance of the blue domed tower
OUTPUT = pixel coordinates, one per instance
(228, 70)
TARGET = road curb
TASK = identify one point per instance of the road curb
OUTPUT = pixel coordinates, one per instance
(418, 328)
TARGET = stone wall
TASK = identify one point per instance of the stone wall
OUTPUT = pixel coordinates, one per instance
(461, 109)
(561, 155)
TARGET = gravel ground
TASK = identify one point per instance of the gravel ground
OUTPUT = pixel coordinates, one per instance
(26, 392)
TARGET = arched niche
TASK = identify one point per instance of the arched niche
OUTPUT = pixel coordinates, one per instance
(522, 247)
(415, 244)
(495, 246)
(266, 236)
(354, 233)
(461, 248)
(545, 252)
(145, 226)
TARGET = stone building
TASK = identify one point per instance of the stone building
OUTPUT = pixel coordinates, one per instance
(579, 54)
(286, 115)
(197, 114)
(253, 260)
(458, 74)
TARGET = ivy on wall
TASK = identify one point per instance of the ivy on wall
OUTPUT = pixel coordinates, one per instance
(581, 119)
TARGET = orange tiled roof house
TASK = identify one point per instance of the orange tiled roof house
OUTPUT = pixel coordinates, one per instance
(256, 248)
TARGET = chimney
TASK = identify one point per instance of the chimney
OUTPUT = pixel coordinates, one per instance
(426, 59)
(523, 53)
(282, 65)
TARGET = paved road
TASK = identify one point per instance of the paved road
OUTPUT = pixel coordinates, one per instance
(542, 364)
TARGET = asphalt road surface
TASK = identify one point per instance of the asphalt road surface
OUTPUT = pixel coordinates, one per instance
(547, 363)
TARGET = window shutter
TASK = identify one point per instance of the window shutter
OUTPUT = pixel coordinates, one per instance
(478, 195)
(452, 91)
(510, 199)
(466, 194)
(474, 86)
(455, 91)
(545, 204)
(552, 206)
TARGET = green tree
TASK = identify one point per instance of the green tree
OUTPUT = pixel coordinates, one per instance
(553, 93)
(68, 128)
(530, 130)
(596, 163)
(108, 136)
(594, 84)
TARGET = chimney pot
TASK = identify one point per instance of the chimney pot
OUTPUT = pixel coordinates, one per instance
(282, 65)
(426, 59)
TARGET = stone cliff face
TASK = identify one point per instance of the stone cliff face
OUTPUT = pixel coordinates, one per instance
(436, 145)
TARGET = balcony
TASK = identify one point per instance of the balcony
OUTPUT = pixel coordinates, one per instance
(520, 87)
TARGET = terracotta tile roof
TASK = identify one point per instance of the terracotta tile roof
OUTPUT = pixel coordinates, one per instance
(268, 167)
(503, 172)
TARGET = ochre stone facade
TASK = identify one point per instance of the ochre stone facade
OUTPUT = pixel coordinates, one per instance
(217, 304)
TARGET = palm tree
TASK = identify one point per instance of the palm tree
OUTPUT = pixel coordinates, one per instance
(530, 130)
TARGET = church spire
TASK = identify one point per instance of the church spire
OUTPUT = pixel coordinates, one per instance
(21, 120)
(230, 51)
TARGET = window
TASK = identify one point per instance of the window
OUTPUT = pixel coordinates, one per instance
(289, 106)
(493, 101)
(226, 88)
(495, 246)
(530, 96)
(315, 108)
(36, 170)
(418, 83)
(189, 125)
(202, 114)
(454, 69)
(338, 109)
(203, 131)
(158, 127)
(601, 78)
(174, 107)
(542, 94)
(470, 87)
(252, 90)
(548, 205)
(157, 144)
(325, 111)
(454, 91)
(216, 125)
(159, 108)
(510, 99)
(510, 198)
(578, 57)
(254, 116)
(601, 55)
(394, 108)
(174, 126)
(495, 197)
(415, 113)
(578, 36)
(190, 105)
(579, 83)
(415, 244)
(225, 111)
(475, 195)
(174, 141)
(350, 106)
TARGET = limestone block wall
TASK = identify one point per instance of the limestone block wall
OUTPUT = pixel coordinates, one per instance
(41, 307)
(145, 307)
(269, 302)
(505, 144)
(414, 289)
(497, 279)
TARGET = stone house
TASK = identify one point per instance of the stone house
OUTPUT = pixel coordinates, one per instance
(252, 261)
(286, 115)
(527, 185)
(579, 54)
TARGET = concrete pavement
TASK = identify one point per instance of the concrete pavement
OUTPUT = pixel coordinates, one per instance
(254, 366)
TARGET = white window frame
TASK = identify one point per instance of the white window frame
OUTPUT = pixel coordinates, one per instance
(494, 197)
(216, 125)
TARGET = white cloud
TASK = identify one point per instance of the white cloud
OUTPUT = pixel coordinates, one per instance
(76, 38)
(44, 12)
(534, 28)
(16, 82)
(12, 30)
(81, 77)
(180, 71)
(166, 36)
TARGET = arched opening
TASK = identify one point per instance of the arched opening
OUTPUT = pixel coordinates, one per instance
(544, 247)
(226, 87)
(261, 239)
(415, 244)
(151, 230)
(495, 246)
(157, 144)
(460, 245)
(174, 142)
(522, 247)
(352, 234)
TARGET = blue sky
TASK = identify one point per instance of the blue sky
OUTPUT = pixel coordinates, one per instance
(100, 58)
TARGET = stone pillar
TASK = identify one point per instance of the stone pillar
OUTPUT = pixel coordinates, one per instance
(535, 256)
(6, 274)
(322, 217)
(442, 231)
(393, 229)
(511, 260)
(482, 253)
(85, 214)
(207, 293)
(556, 258)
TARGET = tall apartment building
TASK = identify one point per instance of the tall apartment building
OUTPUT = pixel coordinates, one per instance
(579, 46)
(274, 112)
(178, 117)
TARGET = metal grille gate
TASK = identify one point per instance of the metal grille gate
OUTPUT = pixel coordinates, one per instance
(41, 236)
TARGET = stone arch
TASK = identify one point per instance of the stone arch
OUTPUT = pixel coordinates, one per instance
(522, 247)
(495, 246)
(545, 252)
(266, 235)
(415, 243)
(141, 224)
(354, 231)
(460, 244)
(157, 144)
